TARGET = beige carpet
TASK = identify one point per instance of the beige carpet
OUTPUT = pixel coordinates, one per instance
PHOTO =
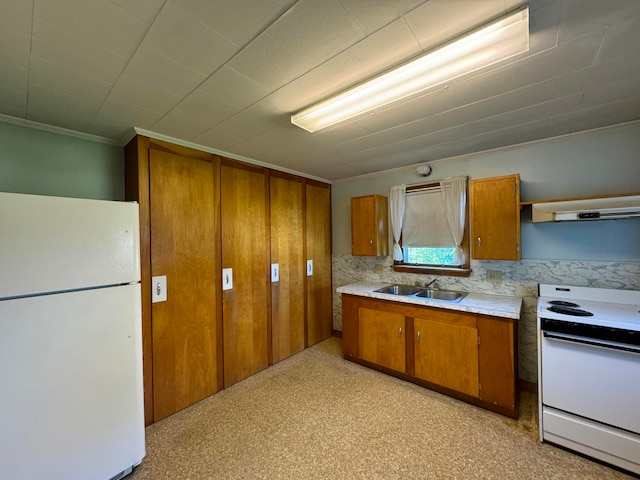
(317, 416)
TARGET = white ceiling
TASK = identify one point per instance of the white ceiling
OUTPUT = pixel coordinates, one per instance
(228, 74)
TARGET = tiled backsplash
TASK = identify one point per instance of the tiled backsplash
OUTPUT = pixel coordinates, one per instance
(518, 278)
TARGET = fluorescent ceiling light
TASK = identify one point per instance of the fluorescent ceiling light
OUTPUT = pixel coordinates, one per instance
(493, 42)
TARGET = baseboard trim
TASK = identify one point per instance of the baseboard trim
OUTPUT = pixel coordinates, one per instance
(522, 385)
(527, 386)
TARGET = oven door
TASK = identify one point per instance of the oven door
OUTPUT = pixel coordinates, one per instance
(595, 379)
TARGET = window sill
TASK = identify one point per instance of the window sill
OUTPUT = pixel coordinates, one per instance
(433, 270)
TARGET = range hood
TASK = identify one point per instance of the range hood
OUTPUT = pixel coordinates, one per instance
(602, 208)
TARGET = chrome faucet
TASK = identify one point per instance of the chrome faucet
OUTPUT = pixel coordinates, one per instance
(427, 285)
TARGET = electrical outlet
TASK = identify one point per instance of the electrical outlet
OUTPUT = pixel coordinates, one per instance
(379, 268)
(494, 276)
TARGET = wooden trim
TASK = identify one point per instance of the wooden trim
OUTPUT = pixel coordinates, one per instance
(267, 233)
(527, 386)
(437, 388)
(218, 266)
(286, 176)
(317, 183)
(421, 186)
(137, 189)
(350, 327)
(305, 281)
(177, 149)
(336, 333)
(410, 346)
(427, 270)
(228, 162)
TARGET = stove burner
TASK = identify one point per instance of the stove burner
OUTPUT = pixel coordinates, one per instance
(576, 312)
(562, 303)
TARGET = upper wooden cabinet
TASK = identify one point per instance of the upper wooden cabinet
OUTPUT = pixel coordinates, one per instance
(495, 218)
(369, 226)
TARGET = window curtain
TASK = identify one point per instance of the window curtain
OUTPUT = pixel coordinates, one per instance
(425, 222)
(454, 196)
(396, 211)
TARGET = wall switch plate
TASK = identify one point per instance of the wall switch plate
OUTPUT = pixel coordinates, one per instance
(309, 268)
(494, 276)
(159, 289)
(227, 278)
(275, 272)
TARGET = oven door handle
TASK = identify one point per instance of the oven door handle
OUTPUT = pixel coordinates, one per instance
(592, 342)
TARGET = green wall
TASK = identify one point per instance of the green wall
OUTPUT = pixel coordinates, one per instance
(41, 162)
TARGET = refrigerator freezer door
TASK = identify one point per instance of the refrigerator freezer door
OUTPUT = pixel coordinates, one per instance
(71, 397)
(54, 244)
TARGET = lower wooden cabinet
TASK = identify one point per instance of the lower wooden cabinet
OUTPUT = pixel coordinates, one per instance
(446, 351)
(464, 355)
(382, 338)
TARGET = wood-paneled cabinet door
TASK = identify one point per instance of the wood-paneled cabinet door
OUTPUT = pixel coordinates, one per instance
(381, 338)
(447, 354)
(287, 266)
(369, 225)
(318, 242)
(245, 249)
(184, 226)
(495, 217)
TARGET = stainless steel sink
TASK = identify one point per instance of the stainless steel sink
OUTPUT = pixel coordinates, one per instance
(447, 295)
(429, 293)
(399, 290)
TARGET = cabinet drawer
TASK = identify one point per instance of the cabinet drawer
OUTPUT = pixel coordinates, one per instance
(447, 316)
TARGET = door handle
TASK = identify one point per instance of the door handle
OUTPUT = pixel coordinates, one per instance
(418, 336)
(400, 332)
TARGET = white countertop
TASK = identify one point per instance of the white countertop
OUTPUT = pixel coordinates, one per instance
(495, 305)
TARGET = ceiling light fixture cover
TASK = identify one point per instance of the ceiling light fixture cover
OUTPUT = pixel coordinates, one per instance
(491, 43)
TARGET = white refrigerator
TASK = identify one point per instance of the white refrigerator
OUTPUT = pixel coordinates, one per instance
(71, 393)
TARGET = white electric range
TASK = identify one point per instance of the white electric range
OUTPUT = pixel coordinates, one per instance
(589, 372)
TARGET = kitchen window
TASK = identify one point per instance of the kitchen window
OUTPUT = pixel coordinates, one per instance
(430, 227)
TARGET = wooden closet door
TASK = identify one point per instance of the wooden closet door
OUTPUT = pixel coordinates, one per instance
(287, 251)
(318, 238)
(183, 239)
(245, 249)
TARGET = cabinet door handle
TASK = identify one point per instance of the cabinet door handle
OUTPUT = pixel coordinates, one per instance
(400, 332)
(418, 337)
(479, 241)
(370, 242)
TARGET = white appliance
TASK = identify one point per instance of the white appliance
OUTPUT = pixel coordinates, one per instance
(71, 395)
(589, 366)
(600, 208)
